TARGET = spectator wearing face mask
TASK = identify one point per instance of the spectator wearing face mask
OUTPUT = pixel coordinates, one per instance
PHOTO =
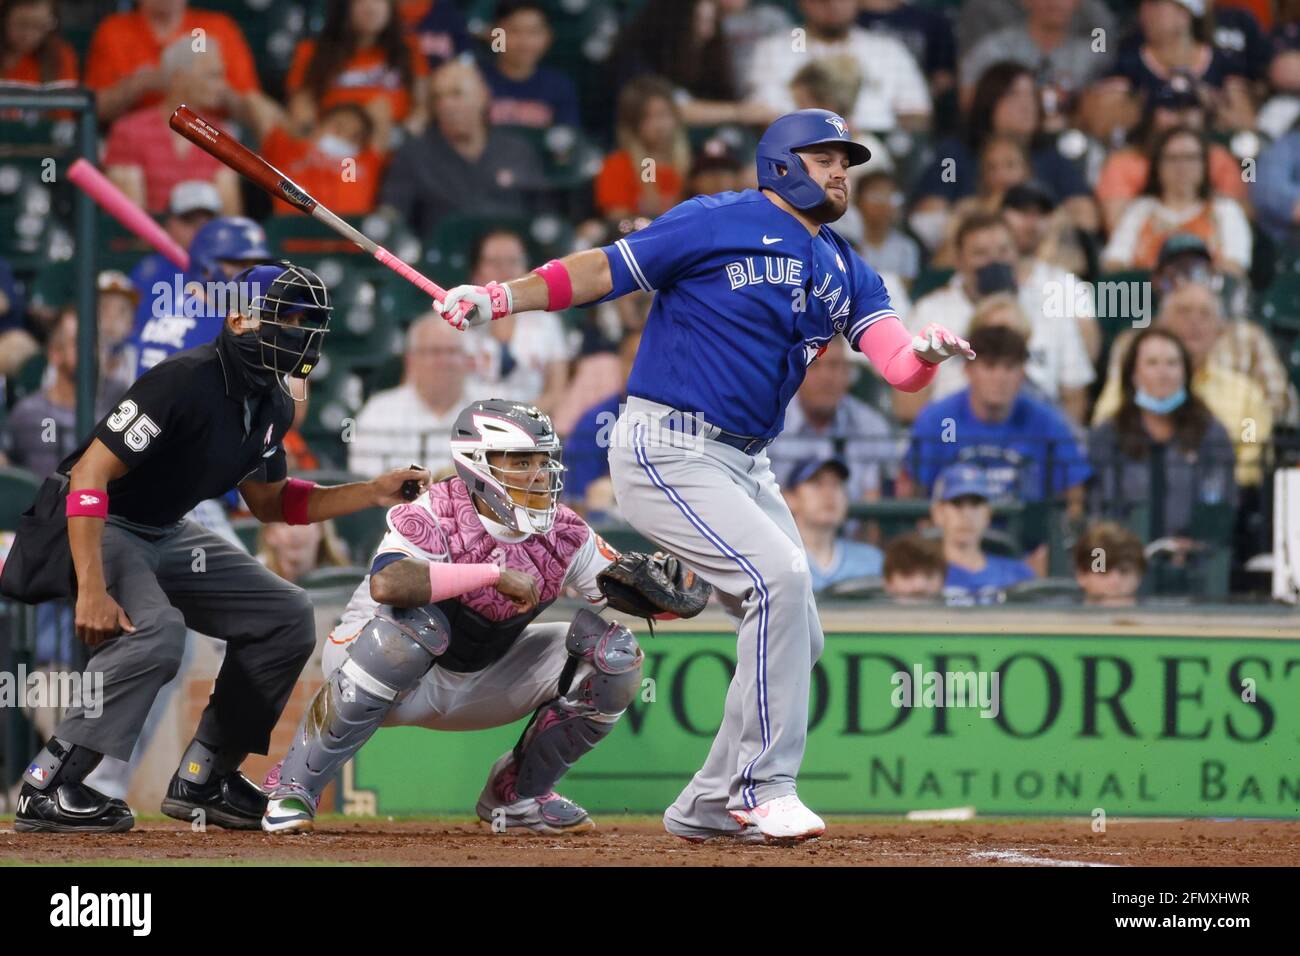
(816, 494)
(1163, 447)
(1194, 315)
(1235, 344)
(335, 163)
(1059, 366)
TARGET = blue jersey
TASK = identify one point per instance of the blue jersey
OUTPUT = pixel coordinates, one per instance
(745, 301)
(962, 586)
(167, 323)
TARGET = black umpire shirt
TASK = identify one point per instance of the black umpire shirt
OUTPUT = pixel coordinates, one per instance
(189, 429)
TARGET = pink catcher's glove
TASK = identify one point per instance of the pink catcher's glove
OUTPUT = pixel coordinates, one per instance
(487, 304)
(935, 343)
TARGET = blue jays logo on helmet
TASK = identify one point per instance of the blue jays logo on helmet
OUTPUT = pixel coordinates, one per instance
(783, 172)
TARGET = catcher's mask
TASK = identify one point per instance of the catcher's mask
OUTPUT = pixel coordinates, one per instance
(508, 455)
(292, 308)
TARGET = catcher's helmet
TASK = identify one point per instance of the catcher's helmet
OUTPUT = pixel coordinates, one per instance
(293, 308)
(232, 238)
(781, 171)
(500, 425)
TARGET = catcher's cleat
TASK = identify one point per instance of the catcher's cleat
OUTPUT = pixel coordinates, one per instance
(501, 806)
(782, 820)
(232, 801)
(289, 813)
(70, 808)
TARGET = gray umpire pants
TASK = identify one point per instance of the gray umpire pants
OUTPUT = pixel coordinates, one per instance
(720, 511)
(168, 579)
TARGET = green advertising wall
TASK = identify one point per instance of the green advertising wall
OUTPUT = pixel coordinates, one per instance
(1205, 726)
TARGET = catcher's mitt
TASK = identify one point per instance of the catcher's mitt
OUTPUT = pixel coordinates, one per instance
(654, 586)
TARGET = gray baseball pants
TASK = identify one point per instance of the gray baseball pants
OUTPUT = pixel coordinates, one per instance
(720, 511)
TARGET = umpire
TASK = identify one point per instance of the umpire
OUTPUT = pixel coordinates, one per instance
(197, 424)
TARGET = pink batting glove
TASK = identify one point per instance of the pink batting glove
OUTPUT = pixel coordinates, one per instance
(935, 344)
(487, 303)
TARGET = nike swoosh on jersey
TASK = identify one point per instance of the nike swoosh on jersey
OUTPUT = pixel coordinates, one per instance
(768, 242)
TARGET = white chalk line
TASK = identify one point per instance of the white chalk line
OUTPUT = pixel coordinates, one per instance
(1016, 857)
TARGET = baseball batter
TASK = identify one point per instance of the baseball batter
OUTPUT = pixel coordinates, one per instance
(749, 289)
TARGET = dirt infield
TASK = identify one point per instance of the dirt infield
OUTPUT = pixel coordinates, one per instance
(641, 842)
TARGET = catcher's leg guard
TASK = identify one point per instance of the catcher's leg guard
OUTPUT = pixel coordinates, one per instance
(387, 659)
(562, 730)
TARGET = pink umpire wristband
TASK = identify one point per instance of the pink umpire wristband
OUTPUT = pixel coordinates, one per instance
(453, 580)
(87, 503)
(293, 500)
(559, 285)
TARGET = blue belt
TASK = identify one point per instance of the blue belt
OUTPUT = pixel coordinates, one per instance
(745, 443)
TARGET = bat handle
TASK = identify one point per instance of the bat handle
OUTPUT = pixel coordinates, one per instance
(434, 290)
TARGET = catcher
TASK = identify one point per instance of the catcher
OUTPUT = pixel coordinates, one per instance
(439, 634)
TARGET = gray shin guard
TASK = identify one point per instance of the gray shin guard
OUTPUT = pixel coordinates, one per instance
(388, 657)
(572, 724)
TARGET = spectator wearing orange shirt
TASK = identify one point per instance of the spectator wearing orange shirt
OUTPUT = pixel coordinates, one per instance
(146, 159)
(335, 163)
(364, 56)
(1125, 172)
(123, 66)
(644, 177)
(31, 50)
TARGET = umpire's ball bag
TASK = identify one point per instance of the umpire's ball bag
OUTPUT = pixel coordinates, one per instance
(39, 567)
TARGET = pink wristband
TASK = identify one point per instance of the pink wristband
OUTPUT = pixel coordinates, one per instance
(293, 500)
(87, 503)
(453, 580)
(559, 285)
(889, 346)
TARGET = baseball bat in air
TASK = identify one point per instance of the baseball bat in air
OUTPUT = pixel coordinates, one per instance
(262, 174)
(117, 204)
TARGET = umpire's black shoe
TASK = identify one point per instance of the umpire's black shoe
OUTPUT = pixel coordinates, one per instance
(233, 801)
(70, 808)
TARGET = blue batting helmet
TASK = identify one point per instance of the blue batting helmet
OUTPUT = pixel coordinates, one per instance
(232, 238)
(781, 171)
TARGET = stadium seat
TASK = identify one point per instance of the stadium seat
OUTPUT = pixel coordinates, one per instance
(623, 537)
(246, 529)
(17, 491)
(928, 281)
(1278, 308)
(1058, 590)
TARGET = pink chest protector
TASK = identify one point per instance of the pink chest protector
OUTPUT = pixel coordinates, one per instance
(450, 525)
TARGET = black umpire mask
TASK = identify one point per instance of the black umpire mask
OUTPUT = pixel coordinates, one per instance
(245, 349)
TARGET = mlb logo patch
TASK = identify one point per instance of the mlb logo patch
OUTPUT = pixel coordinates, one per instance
(37, 773)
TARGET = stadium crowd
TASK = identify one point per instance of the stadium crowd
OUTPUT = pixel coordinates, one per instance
(1104, 197)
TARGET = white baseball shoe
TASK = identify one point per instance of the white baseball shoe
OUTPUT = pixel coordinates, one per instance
(289, 813)
(782, 819)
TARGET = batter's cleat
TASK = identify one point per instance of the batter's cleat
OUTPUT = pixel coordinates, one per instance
(233, 802)
(289, 812)
(70, 808)
(745, 834)
(782, 820)
(500, 806)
